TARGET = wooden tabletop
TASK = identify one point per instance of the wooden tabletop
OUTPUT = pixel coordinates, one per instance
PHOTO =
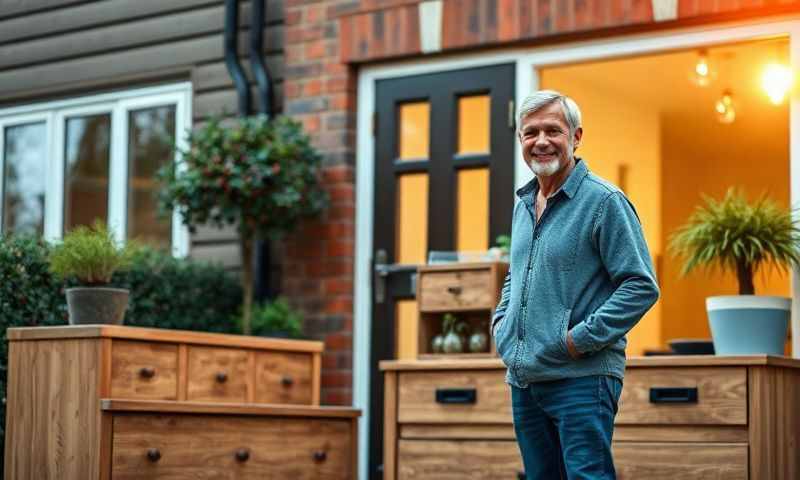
(166, 406)
(633, 362)
(160, 335)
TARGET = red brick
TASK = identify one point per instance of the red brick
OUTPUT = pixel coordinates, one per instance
(314, 14)
(336, 286)
(338, 248)
(339, 396)
(342, 193)
(337, 379)
(312, 88)
(292, 89)
(294, 54)
(315, 50)
(311, 123)
(339, 173)
(293, 16)
(341, 212)
(336, 69)
(339, 305)
(330, 360)
(338, 341)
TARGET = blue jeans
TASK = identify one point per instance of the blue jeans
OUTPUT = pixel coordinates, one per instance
(564, 427)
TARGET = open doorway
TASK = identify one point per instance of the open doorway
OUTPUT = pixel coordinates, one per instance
(652, 127)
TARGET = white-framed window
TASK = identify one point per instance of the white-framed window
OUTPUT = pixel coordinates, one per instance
(66, 163)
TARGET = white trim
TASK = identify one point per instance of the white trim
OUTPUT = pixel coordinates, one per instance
(118, 105)
(758, 302)
(526, 60)
(430, 26)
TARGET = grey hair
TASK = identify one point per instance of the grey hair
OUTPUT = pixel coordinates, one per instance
(543, 98)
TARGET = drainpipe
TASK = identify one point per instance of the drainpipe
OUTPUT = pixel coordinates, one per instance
(232, 55)
(260, 71)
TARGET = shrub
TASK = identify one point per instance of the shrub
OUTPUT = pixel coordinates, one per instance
(90, 254)
(276, 318)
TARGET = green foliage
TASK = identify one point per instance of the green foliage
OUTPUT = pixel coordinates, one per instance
(739, 237)
(504, 243)
(451, 324)
(90, 254)
(259, 174)
(276, 318)
(181, 294)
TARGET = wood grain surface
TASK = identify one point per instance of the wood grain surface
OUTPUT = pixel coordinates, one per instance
(458, 460)
(283, 378)
(680, 461)
(207, 364)
(144, 370)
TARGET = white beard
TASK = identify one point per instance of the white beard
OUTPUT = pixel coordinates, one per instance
(545, 169)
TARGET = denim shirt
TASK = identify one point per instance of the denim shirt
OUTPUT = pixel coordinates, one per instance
(585, 268)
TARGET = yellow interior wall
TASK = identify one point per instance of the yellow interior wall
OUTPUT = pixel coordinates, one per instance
(620, 134)
(472, 215)
(414, 125)
(473, 124)
(702, 156)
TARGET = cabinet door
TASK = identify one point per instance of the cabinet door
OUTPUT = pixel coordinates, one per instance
(283, 377)
(144, 370)
(181, 446)
(457, 460)
(680, 461)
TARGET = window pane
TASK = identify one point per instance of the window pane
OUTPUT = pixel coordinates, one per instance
(473, 125)
(87, 151)
(472, 222)
(414, 130)
(24, 178)
(407, 320)
(150, 138)
(412, 218)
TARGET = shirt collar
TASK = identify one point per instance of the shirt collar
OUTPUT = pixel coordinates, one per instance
(569, 187)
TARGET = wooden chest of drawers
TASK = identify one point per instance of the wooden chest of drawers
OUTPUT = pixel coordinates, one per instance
(680, 418)
(89, 402)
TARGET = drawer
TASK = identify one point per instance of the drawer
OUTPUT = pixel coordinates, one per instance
(283, 378)
(144, 370)
(181, 446)
(664, 396)
(680, 461)
(218, 374)
(461, 290)
(461, 396)
(457, 460)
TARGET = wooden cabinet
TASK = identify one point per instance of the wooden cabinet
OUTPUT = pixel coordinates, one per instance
(468, 290)
(101, 402)
(680, 418)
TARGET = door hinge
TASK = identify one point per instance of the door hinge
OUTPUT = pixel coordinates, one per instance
(511, 115)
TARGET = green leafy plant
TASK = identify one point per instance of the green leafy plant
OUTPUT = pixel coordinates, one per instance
(276, 318)
(739, 237)
(504, 243)
(259, 174)
(90, 254)
(451, 324)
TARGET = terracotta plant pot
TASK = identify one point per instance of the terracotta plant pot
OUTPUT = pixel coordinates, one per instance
(97, 305)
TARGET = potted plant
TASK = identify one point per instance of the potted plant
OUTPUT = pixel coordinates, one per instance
(452, 334)
(257, 173)
(741, 238)
(276, 319)
(90, 256)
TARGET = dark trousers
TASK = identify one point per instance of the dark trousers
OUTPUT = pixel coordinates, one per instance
(564, 427)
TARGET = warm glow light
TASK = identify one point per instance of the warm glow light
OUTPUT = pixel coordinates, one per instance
(702, 72)
(726, 111)
(777, 80)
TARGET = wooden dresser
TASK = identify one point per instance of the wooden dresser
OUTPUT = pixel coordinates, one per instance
(680, 418)
(87, 402)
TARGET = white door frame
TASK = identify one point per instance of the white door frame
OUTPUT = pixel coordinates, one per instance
(527, 61)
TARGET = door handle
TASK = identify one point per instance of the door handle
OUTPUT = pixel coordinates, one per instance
(381, 272)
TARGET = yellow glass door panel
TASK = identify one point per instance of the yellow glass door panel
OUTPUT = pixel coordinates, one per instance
(473, 125)
(472, 221)
(407, 324)
(412, 218)
(414, 139)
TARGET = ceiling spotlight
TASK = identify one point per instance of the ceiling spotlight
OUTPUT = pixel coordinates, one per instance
(725, 108)
(701, 73)
(776, 81)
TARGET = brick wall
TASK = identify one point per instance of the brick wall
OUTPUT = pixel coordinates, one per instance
(318, 265)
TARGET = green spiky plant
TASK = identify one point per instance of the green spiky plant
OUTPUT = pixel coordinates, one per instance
(91, 255)
(739, 237)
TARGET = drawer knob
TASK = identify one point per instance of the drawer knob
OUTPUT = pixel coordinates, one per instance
(673, 395)
(222, 377)
(147, 372)
(287, 381)
(242, 455)
(153, 454)
(320, 456)
(456, 290)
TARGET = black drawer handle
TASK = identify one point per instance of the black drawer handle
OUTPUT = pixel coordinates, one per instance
(456, 395)
(147, 372)
(221, 377)
(153, 454)
(673, 395)
(287, 381)
(242, 455)
(454, 290)
(320, 456)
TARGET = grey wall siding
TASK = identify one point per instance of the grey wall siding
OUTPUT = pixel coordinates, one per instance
(51, 49)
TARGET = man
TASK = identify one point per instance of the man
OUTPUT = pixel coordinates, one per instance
(581, 277)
